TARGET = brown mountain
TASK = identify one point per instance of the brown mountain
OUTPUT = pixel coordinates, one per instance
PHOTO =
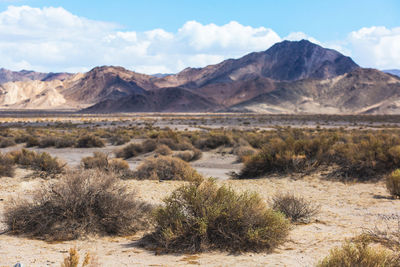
(289, 77)
(27, 75)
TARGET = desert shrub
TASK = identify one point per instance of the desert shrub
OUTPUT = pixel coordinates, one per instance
(213, 141)
(359, 254)
(99, 160)
(203, 216)
(6, 142)
(189, 155)
(175, 143)
(244, 152)
(89, 141)
(66, 141)
(37, 161)
(119, 139)
(31, 141)
(297, 209)
(78, 204)
(47, 141)
(166, 168)
(129, 151)
(72, 260)
(7, 167)
(163, 150)
(393, 183)
(149, 145)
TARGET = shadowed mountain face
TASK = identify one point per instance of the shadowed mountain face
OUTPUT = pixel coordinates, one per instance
(393, 72)
(289, 77)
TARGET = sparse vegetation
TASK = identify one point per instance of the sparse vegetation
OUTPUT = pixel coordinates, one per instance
(7, 167)
(89, 141)
(72, 260)
(393, 183)
(189, 155)
(166, 168)
(360, 254)
(203, 216)
(37, 161)
(163, 150)
(80, 203)
(296, 209)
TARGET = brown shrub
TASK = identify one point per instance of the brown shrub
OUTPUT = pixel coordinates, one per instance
(359, 254)
(72, 260)
(189, 155)
(163, 150)
(37, 161)
(166, 168)
(7, 167)
(88, 141)
(214, 140)
(6, 142)
(99, 160)
(393, 183)
(244, 152)
(78, 204)
(297, 209)
(203, 216)
(134, 150)
(31, 141)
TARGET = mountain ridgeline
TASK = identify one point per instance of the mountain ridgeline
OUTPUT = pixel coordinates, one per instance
(289, 77)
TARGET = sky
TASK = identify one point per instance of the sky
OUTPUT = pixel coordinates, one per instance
(166, 36)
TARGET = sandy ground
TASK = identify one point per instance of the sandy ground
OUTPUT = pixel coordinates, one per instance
(346, 209)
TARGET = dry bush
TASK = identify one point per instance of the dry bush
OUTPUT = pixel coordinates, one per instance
(163, 150)
(31, 141)
(7, 167)
(134, 150)
(297, 209)
(6, 142)
(66, 141)
(78, 204)
(166, 168)
(37, 161)
(47, 141)
(244, 152)
(214, 140)
(89, 141)
(72, 260)
(203, 216)
(189, 155)
(99, 160)
(119, 139)
(360, 254)
(393, 183)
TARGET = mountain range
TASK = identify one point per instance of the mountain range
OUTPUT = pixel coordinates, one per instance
(289, 77)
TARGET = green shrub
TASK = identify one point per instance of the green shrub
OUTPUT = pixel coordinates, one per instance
(203, 216)
(166, 168)
(7, 167)
(393, 183)
(89, 141)
(359, 254)
(78, 204)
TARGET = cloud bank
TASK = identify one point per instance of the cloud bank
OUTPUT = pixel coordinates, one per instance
(53, 39)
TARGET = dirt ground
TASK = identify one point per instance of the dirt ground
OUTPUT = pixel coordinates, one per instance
(346, 210)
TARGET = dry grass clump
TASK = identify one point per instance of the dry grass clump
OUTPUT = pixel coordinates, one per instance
(393, 183)
(297, 209)
(78, 204)
(360, 254)
(37, 161)
(189, 155)
(88, 141)
(203, 216)
(101, 162)
(244, 152)
(163, 150)
(72, 260)
(166, 168)
(7, 167)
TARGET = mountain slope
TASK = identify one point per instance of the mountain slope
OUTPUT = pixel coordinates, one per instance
(285, 61)
(26, 75)
(393, 72)
(360, 91)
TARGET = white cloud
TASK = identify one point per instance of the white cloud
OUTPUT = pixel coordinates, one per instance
(53, 39)
(376, 46)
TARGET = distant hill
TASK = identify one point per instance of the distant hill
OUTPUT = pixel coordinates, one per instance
(289, 77)
(394, 72)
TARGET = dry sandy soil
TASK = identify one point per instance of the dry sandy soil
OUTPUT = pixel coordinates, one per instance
(346, 209)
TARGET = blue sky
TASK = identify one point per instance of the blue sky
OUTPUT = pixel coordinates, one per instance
(166, 36)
